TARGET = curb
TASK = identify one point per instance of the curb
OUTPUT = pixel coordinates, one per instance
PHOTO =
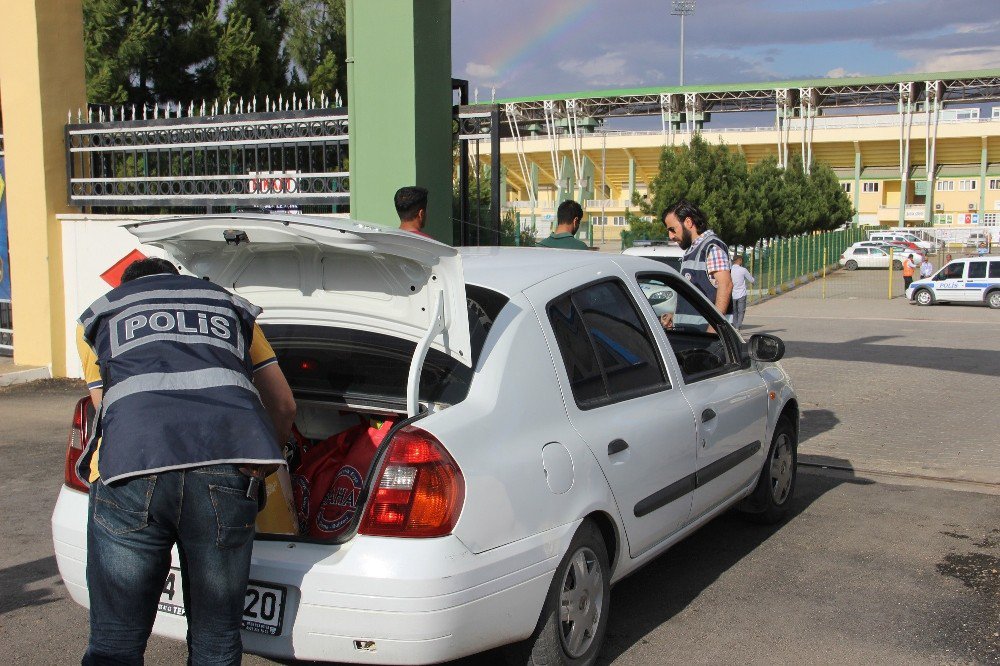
(24, 376)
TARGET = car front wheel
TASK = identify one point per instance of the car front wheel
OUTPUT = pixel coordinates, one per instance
(851, 265)
(574, 619)
(769, 502)
(923, 297)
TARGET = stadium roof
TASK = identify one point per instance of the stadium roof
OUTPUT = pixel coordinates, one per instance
(968, 86)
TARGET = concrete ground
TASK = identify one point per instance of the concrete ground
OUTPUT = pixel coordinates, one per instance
(891, 555)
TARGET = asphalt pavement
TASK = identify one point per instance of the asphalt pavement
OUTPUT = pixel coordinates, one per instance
(891, 555)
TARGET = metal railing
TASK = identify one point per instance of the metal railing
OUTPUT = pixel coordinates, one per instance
(277, 158)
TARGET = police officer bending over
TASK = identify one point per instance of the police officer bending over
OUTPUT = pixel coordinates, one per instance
(191, 407)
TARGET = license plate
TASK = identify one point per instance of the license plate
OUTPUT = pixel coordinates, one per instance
(263, 607)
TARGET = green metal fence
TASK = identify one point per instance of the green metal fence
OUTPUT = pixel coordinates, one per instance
(781, 264)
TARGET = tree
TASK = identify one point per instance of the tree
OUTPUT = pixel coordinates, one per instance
(118, 38)
(250, 59)
(743, 204)
(317, 44)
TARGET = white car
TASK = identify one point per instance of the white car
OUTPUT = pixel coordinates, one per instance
(898, 253)
(968, 280)
(856, 257)
(666, 252)
(557, 436)
(886, 236)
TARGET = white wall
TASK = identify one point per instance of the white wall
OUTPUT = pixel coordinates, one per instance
(91, 245)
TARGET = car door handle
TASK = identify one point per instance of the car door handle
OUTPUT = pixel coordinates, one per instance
(707, 415)
(617, 446)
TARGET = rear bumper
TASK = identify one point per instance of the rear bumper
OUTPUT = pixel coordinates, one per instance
(420, 600)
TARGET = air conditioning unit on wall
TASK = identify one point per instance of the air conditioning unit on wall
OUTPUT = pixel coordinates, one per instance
(972, 206)
(941, 206)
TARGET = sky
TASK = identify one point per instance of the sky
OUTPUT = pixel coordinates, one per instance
(534, 47)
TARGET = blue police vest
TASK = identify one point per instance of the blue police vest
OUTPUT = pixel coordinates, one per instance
(174, 354)
(694, 268)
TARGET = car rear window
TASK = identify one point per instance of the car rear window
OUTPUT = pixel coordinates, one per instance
(977, 269)
(359, 367)
(995, 269)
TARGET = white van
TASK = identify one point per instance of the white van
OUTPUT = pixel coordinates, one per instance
(886, 236)
(969, 280)
(665, 252)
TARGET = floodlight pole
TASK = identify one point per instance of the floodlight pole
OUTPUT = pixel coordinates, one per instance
(682, 8)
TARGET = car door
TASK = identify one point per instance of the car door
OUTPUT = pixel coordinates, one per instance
(949, 283)
(620, 398)
(975, 281)
(877, 258)
(726, 393)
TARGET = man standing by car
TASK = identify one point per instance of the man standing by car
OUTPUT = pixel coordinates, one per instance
(926, 268)
(192, 405)
(706, 257)
(908, 268)
(740, 278)
(569, 215)
(411, 206)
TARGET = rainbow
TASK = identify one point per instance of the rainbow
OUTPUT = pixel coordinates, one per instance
(558, 22)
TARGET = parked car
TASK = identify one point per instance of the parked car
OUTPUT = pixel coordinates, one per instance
(553, 437)
(899, 251)
(665, 252)
(856, 257)
(968, 280)
(886, 236)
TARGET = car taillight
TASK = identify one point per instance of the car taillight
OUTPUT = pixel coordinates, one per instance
(77, 441)
(418, 492)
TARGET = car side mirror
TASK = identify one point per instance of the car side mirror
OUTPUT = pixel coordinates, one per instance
(767, 348)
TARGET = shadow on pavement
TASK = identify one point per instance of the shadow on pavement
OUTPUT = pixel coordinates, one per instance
(16, 580)
(814, 422)
(665, 587)
(969, 361)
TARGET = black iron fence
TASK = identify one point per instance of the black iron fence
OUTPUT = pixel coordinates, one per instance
(272, 159)
(476, 214)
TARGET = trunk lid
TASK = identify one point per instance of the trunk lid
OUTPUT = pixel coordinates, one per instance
(328, 271)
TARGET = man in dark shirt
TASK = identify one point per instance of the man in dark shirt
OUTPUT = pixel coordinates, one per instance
(568, 218)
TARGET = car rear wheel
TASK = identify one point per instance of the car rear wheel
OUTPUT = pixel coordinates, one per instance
(993, 299)
(923, 297)
(896, 264)
(574, 619)
(851, 265)
(769, 502)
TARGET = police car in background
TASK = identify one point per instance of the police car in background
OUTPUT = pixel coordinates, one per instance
(967, 280)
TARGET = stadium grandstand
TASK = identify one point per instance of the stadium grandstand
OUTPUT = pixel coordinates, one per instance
(909, 149)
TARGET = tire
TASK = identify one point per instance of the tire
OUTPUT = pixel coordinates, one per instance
(897, 264)
(851, 265)
(579, 590)
(993, 299)
(924, 297)
(770, 500)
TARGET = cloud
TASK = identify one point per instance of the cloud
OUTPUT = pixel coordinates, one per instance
(840, 72)
(604, 70)
(954, 60)
(477, 70)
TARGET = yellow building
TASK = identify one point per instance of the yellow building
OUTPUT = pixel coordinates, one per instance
(878, 134)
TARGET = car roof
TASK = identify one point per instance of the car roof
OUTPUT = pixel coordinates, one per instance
(510, 270)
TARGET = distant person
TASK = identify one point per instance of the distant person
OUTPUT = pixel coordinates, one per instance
(908, 267)
(926, 268)
(568, 219)
(411, 206)
(947, 259)
(706, 257)
(740, 278)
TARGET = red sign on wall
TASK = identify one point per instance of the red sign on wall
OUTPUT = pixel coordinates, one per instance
(113, 275)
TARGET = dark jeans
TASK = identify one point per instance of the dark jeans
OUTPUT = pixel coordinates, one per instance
(739, 309)
(907, 279)
(133, 525)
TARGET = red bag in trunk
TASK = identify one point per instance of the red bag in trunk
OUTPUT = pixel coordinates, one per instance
(328, 482)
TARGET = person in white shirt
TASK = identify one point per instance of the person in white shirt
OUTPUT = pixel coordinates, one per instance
(926, 268)
(740, 278)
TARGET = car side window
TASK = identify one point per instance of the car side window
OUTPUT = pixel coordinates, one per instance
(950, 272)
(861, 250)
(995, 269)
(606, 347)
(977, 269)
(703, 343)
